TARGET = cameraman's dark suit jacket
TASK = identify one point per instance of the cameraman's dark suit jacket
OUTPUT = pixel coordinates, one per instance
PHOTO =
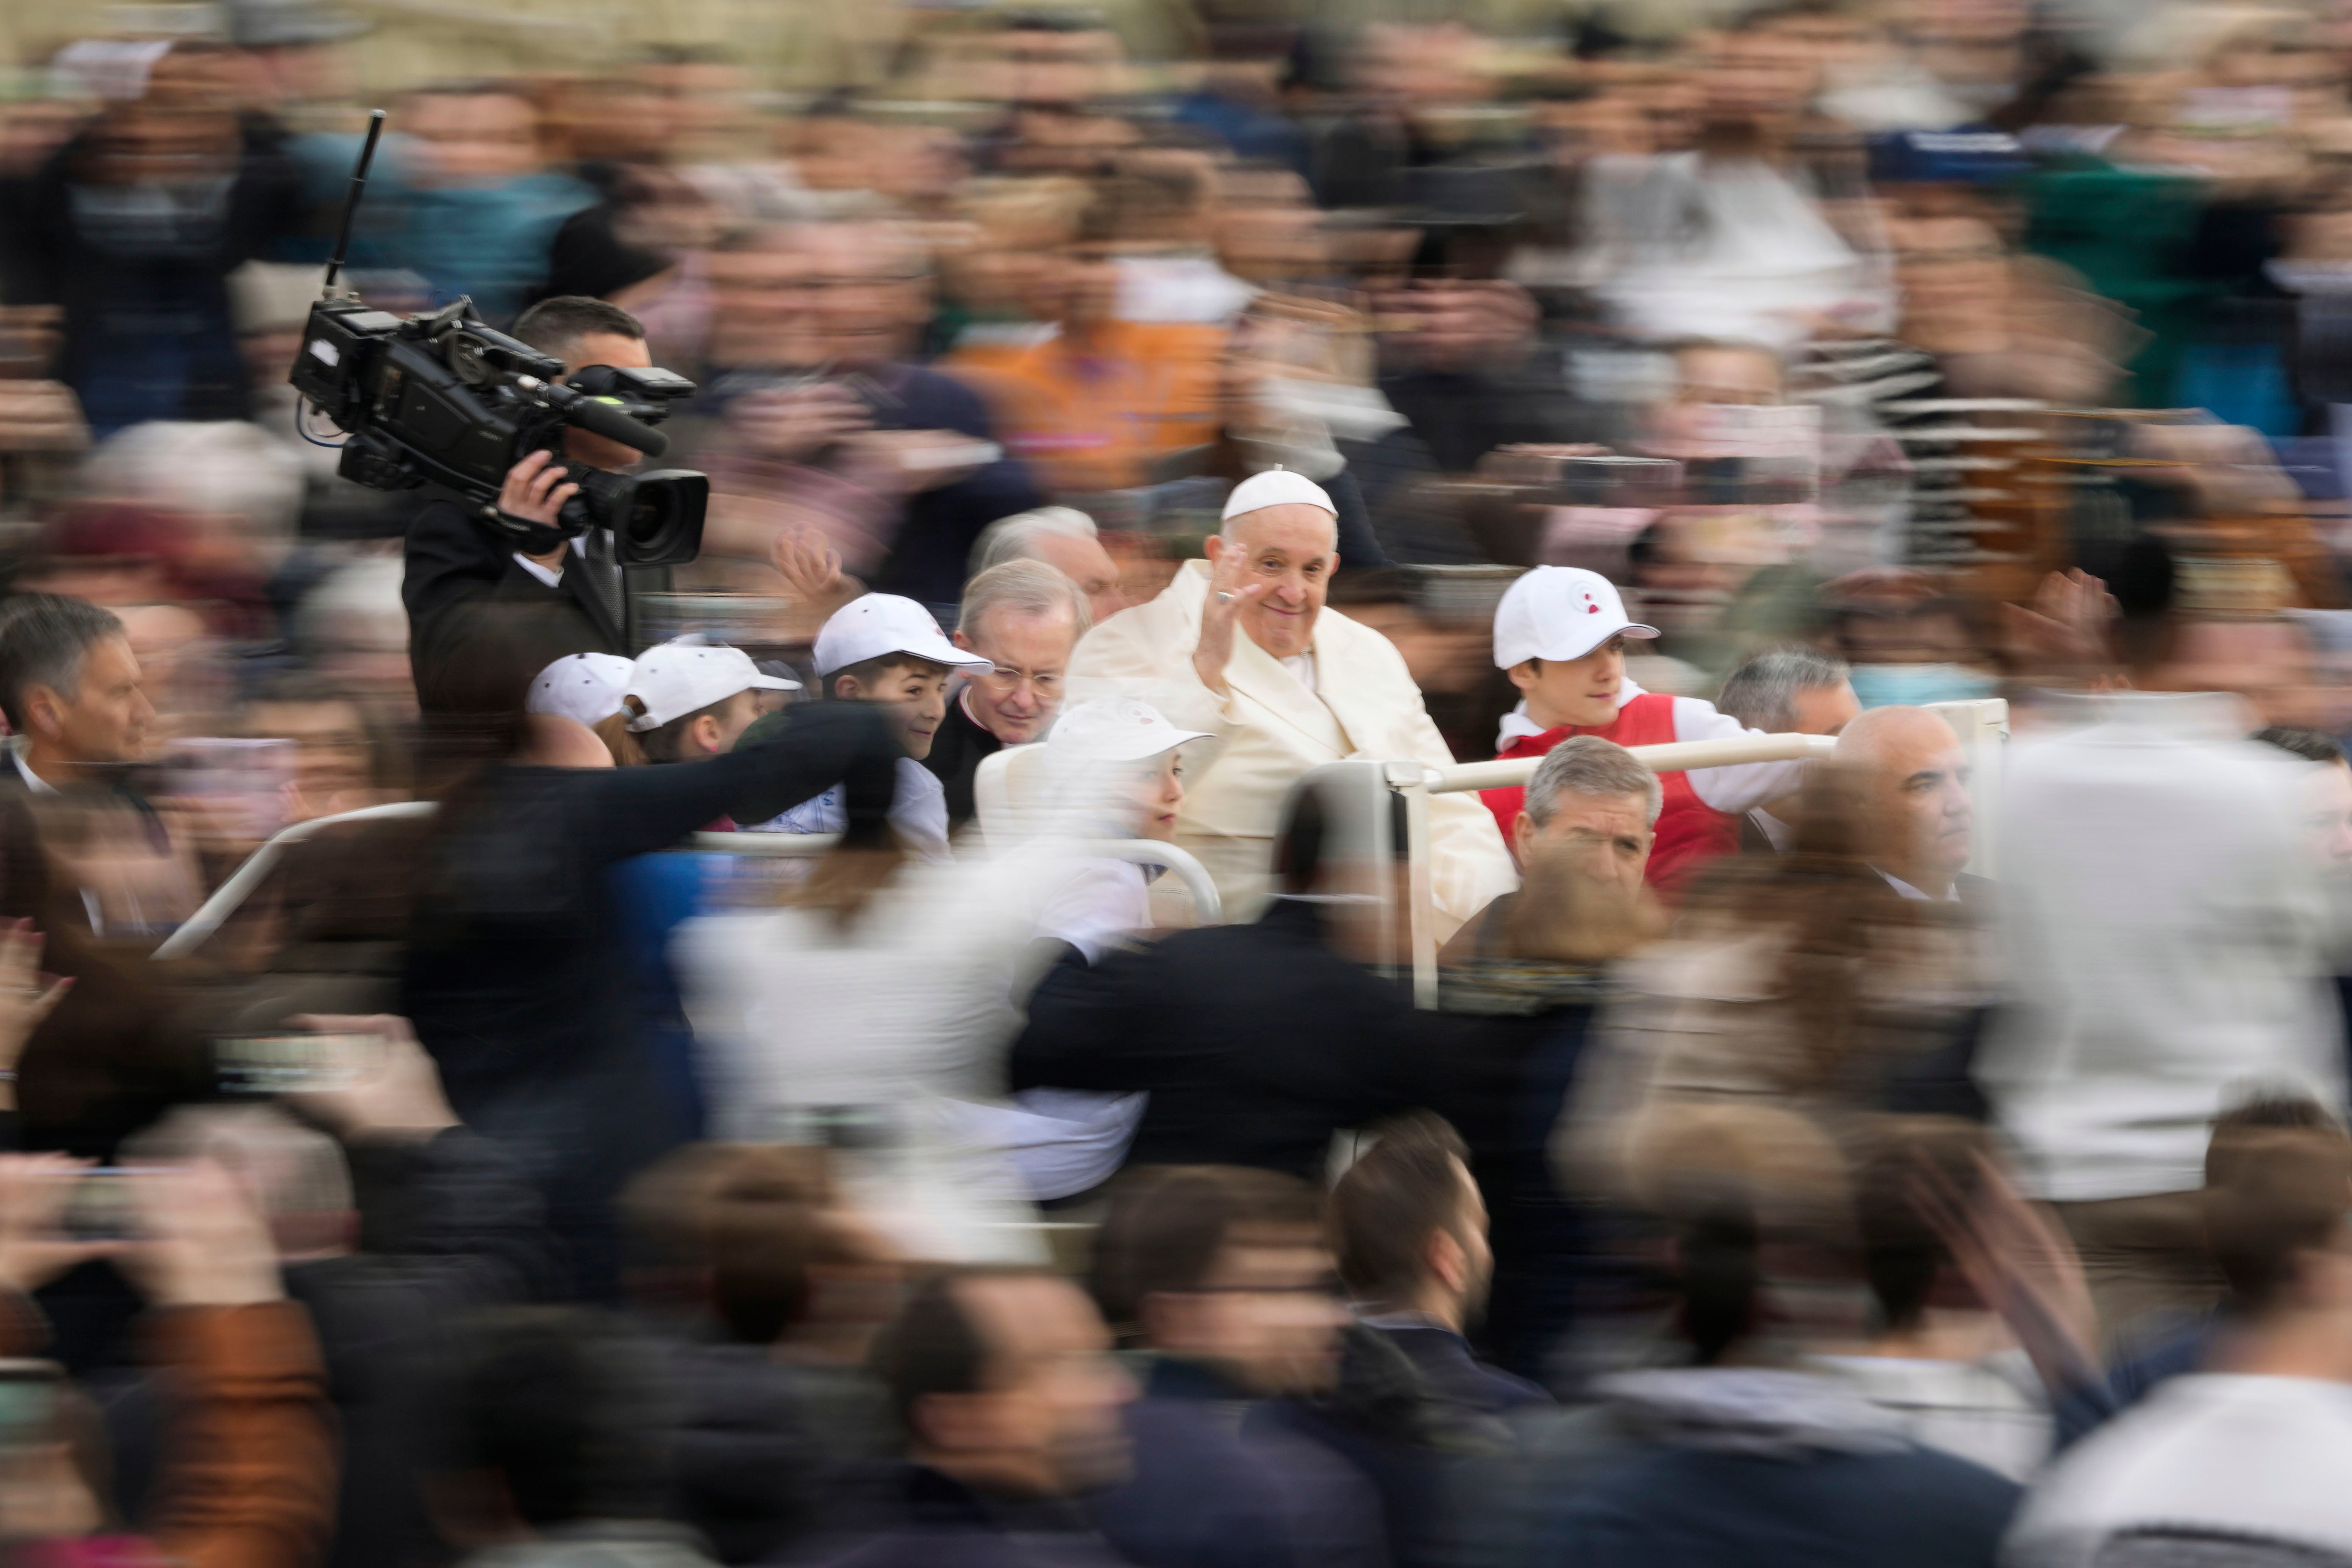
(459, 569)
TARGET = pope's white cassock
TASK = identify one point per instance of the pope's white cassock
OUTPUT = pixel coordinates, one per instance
(1273, 727)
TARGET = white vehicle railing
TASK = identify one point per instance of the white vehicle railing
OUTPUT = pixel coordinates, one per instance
(230, 896)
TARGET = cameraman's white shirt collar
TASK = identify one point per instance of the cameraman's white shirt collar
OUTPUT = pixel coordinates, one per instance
(553, 575)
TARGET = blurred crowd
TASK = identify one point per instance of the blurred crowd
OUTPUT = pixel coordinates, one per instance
(1106, 969)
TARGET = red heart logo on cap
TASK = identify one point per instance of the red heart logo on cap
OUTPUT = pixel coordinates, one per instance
(1592, 609)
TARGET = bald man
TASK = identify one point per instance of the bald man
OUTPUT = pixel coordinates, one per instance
(1917, 821)
(1242, 647)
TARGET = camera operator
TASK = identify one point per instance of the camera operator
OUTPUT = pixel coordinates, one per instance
(457, 564)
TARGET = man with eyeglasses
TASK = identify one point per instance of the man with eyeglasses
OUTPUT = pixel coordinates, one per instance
(1025, 619)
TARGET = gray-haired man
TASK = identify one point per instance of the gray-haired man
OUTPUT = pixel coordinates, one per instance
(1791, 690)
(1586, 792)
(1025, 619)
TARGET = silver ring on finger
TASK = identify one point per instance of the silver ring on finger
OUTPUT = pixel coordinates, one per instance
(1223, 597)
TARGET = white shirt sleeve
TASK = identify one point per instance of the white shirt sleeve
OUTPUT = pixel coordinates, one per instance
(1743, 786)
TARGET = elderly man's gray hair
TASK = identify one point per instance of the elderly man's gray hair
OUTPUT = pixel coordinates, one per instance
(1762, 693)
(1591, 767)
(1015, 538)
(1023, 588)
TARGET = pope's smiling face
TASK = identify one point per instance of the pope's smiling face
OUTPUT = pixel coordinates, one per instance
(1292, 549)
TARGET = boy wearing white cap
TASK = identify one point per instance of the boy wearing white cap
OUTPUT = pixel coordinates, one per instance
(687, 700)
(1241, 647)
(1560, 634)
(885, 649)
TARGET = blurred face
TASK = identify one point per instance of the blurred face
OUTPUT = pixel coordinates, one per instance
(914, 696)
(1047, 1422)
(104, 719)
(1729, 376)
(830, 293)
(1611, 835)
(140, 144)
(471, 140)
(1920, 820)
(1159, 798)
(1824, 709)
(1581, 691)
(1086, 562)
(1060, 70)
(1268, 1317)
(2330, 821)
(331, 750)
(1292, 549)
(624, 354)
(1477, 1256)
(1017, 701)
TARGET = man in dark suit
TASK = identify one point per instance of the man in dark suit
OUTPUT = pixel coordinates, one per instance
(1919, 823)
(1411, 1233)
(458, 565)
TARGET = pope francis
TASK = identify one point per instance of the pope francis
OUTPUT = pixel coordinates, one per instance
(1241, 647)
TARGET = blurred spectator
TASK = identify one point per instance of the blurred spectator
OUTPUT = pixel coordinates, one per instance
(1239, 647)
(1410, 1229)
(1064, 539)
(1004, 1383)
(818, 417)
(1738, 1449)
(1095, 400)
(1025, 619)
(134, 228)
(2112, 964)
(2218, 1455)
(1256, 1042)
(342, 761)
(542, 1442)
(471, 204)
(1789, 691)
(1459, 360)
(1227, 1277)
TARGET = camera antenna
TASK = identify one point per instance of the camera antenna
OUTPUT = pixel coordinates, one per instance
(351, 202)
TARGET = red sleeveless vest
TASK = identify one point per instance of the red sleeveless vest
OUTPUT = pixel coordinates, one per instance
(1689, 833)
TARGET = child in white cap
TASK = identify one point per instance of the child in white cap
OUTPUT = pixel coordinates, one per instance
(1560, 634)
(684, 700)
(884, 650)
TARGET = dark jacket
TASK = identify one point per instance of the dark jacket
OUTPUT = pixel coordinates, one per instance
(956, 751)
(457, 567)
(1443, 1359)
(1207, 1493)
(518, 971)
(447, 1227)
(929, 1521)
(1256, 1042)
(1700, 1467)
(148, 330)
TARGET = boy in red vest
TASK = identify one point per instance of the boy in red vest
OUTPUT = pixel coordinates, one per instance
(1560, 631)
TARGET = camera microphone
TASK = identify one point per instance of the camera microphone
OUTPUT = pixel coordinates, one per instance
(600, 417)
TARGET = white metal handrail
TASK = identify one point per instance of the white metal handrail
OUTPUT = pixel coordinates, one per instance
(214, 911)
(1667, 757)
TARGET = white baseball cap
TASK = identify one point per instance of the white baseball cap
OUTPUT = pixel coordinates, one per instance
(582, 686)
(1275, 487)
(672, 680)
(1116, 729)
(1559, 613)
(875, 624)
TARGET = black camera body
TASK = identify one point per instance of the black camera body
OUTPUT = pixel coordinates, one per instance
(446, 399)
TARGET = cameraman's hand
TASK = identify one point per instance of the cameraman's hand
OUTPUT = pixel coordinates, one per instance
(792, 425)
(535, 491)
(395, 1091)
(205, 1242)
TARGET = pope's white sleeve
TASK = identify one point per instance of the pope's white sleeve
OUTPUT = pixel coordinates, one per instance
(1743, 786)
